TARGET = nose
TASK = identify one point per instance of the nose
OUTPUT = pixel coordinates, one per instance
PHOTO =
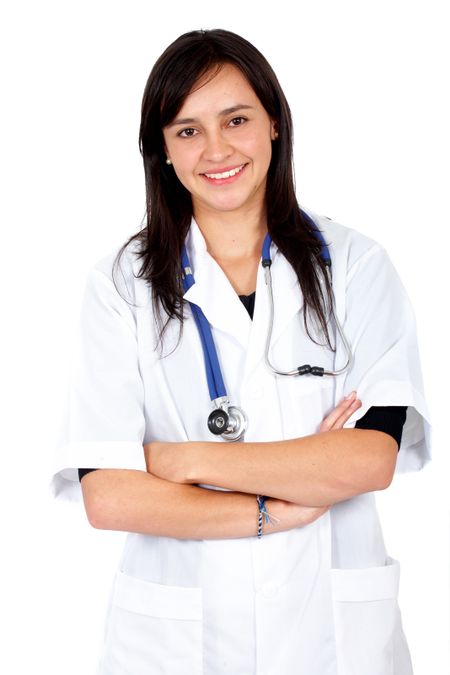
(216, 147)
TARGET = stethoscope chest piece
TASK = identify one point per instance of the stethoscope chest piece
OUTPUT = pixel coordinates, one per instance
(228, 421)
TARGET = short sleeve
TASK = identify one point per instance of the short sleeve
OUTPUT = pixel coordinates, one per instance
(105, 423)
(386, 371)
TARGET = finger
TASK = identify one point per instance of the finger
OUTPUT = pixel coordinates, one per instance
(344, 406)
(339, 423)
(340, 409)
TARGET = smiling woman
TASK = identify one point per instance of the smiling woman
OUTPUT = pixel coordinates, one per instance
(219, 149)
(265, 555)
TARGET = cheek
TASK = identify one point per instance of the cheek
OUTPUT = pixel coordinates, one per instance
(184, 162)
(259, 147)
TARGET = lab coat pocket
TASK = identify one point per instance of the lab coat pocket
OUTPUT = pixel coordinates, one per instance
(153, 628)
(367, 619)
(305, 401)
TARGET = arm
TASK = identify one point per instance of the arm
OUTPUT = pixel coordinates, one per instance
(320, 469)
(315, 470)
(135, 501)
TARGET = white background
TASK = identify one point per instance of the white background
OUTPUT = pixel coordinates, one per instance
(368, 86)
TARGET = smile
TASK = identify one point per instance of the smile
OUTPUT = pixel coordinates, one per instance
(225, 175)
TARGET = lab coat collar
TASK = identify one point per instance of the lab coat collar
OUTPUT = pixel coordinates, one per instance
(212, 291)
(222, 307)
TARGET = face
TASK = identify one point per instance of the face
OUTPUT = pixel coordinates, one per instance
(220, 144)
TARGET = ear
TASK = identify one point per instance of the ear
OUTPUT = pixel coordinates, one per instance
(274, 130)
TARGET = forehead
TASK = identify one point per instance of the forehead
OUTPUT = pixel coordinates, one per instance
(217, 87)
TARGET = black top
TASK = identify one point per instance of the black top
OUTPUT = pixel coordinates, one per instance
(249, 303)
(389, 419)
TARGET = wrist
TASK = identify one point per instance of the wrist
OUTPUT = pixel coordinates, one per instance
(194, 462)
(267, 521)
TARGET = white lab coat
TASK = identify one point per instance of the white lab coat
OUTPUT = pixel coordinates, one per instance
(317, 600)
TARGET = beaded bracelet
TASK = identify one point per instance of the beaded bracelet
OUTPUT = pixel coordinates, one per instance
(262, 510)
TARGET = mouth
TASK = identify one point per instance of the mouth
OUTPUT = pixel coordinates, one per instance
(225, 177)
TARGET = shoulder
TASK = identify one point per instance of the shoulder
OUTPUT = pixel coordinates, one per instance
(363, 273)
(349, 249)
(123, 259)
(118, 270)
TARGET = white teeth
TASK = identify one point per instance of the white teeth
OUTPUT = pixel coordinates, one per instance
(225, 174)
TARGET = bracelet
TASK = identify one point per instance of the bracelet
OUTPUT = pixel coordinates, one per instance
(261, 506)
(262, 509)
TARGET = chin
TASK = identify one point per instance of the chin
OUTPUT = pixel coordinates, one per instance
(230, 202)
(227, 208)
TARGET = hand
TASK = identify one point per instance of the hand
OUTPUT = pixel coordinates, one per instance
(339, 416)
(288, 515)
(170, 461)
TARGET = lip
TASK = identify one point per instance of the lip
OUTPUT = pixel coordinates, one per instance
(225, 168)
(225, 181)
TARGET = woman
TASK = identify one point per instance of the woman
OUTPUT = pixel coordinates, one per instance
(214, 578)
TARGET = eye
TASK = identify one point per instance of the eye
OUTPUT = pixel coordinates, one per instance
(238, 121)
(187, 133)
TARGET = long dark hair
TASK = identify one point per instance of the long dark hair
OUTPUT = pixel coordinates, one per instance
(169, 205)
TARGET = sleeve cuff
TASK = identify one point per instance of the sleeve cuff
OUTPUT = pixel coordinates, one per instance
(64, 483)
(415, 447)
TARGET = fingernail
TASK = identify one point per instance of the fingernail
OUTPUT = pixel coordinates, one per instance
(351, 395)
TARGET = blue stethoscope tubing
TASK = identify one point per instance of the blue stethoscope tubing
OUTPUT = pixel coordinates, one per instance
(227, 420)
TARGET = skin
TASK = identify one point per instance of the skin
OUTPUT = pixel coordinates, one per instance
(135, 501)
(318, 470)
(309, 473)
(231, 217)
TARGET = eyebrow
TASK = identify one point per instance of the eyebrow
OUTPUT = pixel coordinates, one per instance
(227, 111)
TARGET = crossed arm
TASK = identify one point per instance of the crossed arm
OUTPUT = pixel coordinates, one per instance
(302, 477)
(316, 470)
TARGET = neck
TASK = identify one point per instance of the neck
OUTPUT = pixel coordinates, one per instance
(231, 236)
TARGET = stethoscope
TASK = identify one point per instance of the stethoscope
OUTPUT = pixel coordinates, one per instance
(226, 420)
